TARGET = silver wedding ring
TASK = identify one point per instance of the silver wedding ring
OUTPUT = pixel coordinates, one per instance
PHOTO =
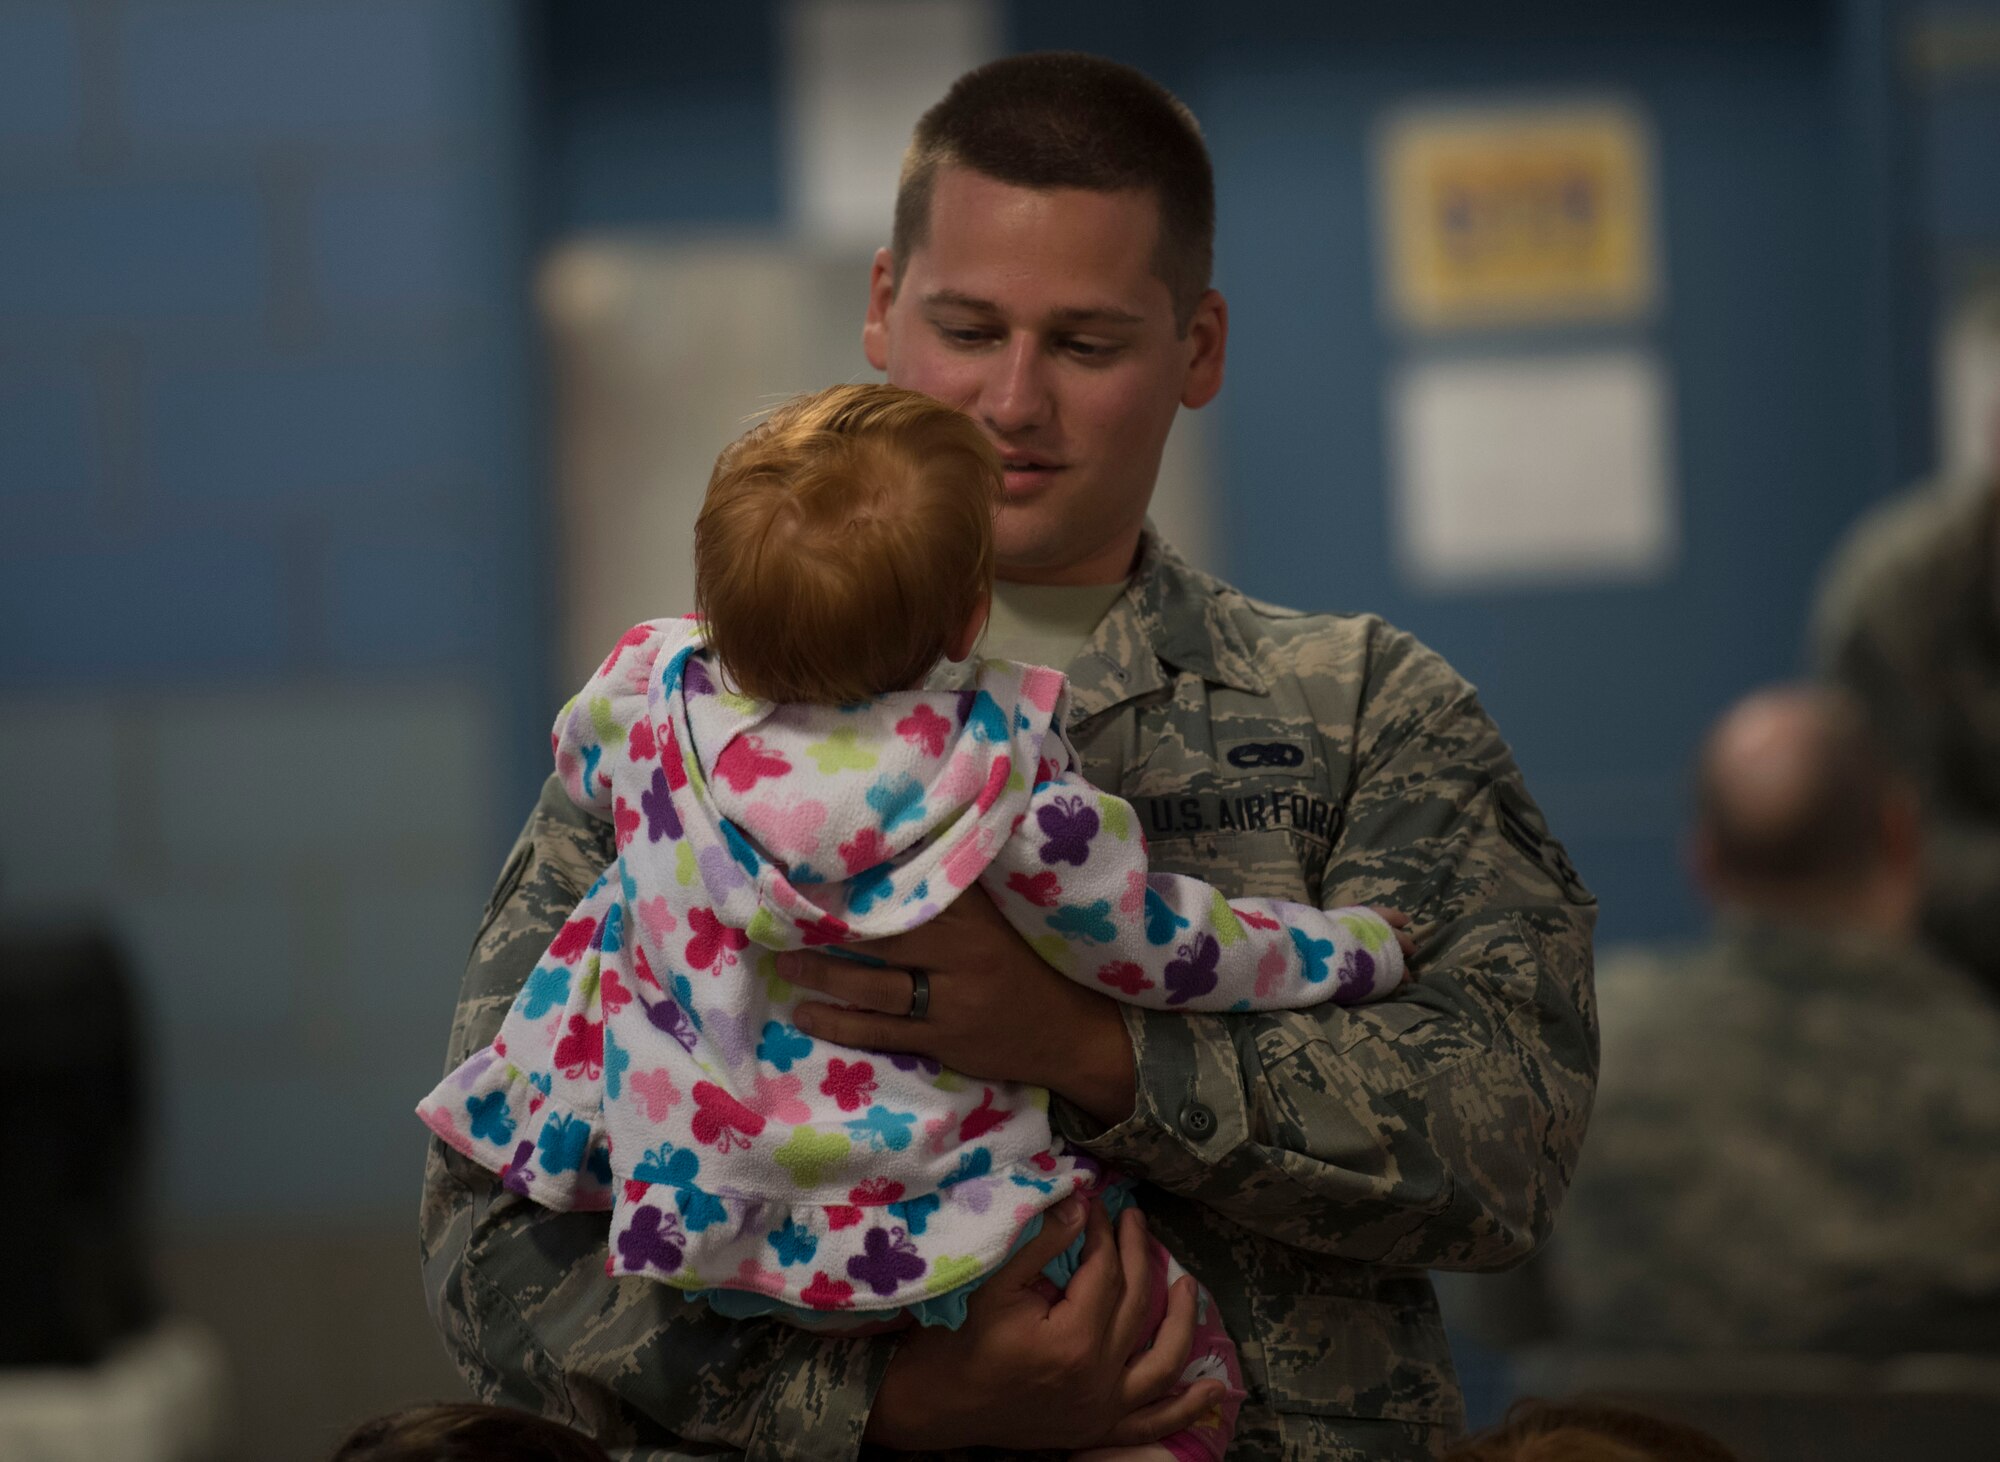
(920, 995)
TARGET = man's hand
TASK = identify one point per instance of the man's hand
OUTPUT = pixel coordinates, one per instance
(1034, 1369)
(996, 1009)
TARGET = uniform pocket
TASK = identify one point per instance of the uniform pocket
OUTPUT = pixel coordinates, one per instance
(1331, 1355)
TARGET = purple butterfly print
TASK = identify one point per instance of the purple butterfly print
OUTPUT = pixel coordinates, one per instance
(1193, 972)
(517, 1175)
(890, 1261)
(1357, 976)
(667, 1017)
(694, 679)
(658, 803)
(730, 1034)
(1069, 824)
(722, 873)
(652, 1240)
(928, 1065)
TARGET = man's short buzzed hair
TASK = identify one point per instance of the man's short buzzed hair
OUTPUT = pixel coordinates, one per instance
(1062, 119)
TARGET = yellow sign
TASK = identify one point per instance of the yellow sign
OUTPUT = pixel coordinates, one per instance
(1522, 216)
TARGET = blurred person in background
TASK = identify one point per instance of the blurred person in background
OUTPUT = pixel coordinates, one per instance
(1796, 1143)
(1909, 620)
(1587, 1431)
(1049, 276)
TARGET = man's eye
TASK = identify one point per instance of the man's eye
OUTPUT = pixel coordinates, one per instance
(1090, 349)
(965, 334)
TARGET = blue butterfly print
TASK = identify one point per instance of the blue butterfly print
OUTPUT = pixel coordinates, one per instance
(591, 753)
(783, 1044)
(600, 1164)
(610, 935)
(547, 988)
(491, 1121)
(1069, 823)
(740, 849)
(1192, 972)
(795, 1245)
(897, 800)
(1040, 1185)
(1091, 922)
(985, 719)
(977, 1163)
(916, 1212)
(868, 888)
(670, 678)
(699, 1209)
(1162, 923)
(562, 1143)
(684, 993)
(617, 1060)
(1313, 954)
(881, 1128)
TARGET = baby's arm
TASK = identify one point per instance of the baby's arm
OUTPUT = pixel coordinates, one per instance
(595, 730)
(1075, 882)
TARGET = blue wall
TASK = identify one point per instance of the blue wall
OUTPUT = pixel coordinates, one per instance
(1807, 187)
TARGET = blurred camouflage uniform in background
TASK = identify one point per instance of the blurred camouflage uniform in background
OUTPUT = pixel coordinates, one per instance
(1909, 620)
(1796, 1146)
(1306, 1165)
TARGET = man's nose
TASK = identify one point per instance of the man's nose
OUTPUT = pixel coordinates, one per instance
(1016, 397)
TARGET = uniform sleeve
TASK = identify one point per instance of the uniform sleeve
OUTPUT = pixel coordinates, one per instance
(1437, 1128)
(519, 1292)
(1074, 881)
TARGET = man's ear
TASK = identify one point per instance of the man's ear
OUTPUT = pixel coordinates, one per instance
(881, 294)
(1208, 339)
(962, 644)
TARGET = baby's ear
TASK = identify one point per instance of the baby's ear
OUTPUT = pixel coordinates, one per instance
(961, 645)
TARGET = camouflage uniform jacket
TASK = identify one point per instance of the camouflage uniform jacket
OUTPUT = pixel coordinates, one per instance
(1307, 1165)
(1909, 620)
(1796, 1146)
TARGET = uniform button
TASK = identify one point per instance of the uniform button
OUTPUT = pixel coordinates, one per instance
(1197, 1121)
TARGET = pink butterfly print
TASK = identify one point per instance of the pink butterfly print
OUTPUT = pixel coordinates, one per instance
(790, 829)
(867, 849)
(962, 776)
(657, 1088)
(635, 1191)
(1044, 890)
(827, 1294)
(1256, 920)
(926, 728)
(968, 858)
(762, 1281)
(639, 744)
(982, 1119)
(1041, 686)
(611, 991)
(996, 781)
(941, 1133)
(842, 1215)
(580, 1054)
(712, 940)
(875, 1192)
(851, 1083)
(825, 930)
(746, 761)
(643, 967)
(658, 916)
(1124, 976)
(633, 637)
(574, 939)
(777, 1097)
(1269, 968)
(1135, 892)
(624, 820)
(671, 760)
(721, 1121)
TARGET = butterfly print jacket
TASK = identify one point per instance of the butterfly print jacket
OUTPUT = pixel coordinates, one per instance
(1307, 1165)
(652, 1064)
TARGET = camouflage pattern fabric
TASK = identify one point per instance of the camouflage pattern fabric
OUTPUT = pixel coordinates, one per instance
(1306, 1165)
(1909, 620)
(1796, 1146)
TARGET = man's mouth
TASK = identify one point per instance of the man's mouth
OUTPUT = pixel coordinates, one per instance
(1024, 471)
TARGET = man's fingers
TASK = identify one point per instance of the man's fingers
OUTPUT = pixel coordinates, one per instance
(1098, 1283)
(1164, 1418)
(941, 942)
(863, 1029)
(1152, 1373)
(864, 987)
(1059, 1229)
(1135, 1263)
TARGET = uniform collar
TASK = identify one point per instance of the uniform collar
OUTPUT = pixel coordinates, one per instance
(1169, 620)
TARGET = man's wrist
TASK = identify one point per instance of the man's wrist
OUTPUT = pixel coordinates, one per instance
(1094, 1067)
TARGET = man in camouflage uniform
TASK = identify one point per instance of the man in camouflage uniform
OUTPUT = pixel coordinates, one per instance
(1797, 1139)
(1306, 1165)
(1909, 620)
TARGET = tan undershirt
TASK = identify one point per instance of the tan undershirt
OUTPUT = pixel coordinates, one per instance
(1045, 624)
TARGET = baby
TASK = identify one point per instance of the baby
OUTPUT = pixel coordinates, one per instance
(778, 779)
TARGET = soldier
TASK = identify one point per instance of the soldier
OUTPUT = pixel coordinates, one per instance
(1797, 1139)
(1909, 620)
(1048, 274)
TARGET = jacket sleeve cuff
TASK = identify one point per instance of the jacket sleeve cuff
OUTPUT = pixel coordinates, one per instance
(1189, 1111)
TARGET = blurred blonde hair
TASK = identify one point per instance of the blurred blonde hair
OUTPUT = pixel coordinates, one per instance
(845, 541)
